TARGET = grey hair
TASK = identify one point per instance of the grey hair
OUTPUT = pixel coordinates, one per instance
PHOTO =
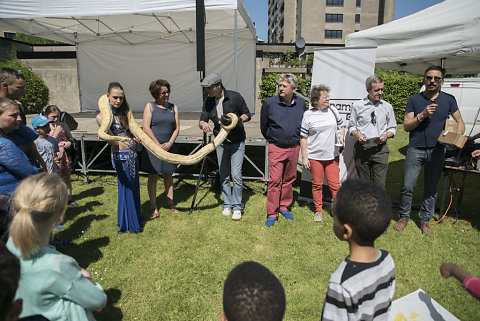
(292, 80)
(316, 92)
(373, 79)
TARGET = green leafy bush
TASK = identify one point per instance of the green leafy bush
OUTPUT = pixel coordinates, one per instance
(269, 85)
(399, 86)
(37, 94)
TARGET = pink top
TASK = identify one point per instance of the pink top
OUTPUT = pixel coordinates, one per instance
(472, 285)
(61, 138)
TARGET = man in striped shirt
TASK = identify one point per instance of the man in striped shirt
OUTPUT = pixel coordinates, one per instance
(363, 285)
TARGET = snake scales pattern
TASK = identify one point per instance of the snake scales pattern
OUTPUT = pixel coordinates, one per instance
(107, 118)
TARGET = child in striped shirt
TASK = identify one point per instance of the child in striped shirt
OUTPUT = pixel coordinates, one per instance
(363, 285)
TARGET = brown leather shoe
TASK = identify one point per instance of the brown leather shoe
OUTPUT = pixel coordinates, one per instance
(400, 225)
(425, 227)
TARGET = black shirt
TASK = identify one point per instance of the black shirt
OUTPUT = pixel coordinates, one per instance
(233, 102)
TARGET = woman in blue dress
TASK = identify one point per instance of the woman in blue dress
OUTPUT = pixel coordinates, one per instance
(125, 162)
(161, 123)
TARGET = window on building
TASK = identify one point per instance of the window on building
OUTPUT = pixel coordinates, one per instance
(359, 3)
(333, 17)
(333, 34)
(357, 18)
(335, 3)
(9, 35)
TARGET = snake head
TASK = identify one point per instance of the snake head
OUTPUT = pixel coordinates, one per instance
(231, 119)
(225, 120)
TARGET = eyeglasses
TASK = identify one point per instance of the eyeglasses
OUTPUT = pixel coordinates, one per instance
(164, 92)
(325, 97)
(373, 118)
(436, 78)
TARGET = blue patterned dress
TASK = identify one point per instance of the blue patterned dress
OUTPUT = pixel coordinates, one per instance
(125, 163)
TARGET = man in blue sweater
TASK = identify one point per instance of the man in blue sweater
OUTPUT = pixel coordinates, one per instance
(280, 120)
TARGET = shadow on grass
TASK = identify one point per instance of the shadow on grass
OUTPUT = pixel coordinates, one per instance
(109, 312)
(91, 192)
(73, 212)
(87, 252)
(80, 225)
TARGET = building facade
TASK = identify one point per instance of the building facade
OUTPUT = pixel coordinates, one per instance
(324, 21)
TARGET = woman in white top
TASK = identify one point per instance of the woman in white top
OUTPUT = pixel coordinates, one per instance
(320, 146)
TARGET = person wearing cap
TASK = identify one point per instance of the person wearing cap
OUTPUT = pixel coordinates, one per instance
(280, 120)
(47, 146)
(220, 102)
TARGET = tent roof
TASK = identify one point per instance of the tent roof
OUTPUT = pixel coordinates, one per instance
(448, 30)
(123, 21)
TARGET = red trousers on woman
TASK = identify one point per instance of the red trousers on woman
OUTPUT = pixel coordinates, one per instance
(332, 173)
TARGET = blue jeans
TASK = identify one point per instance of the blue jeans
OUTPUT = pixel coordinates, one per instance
(230, 161)
(431, 158)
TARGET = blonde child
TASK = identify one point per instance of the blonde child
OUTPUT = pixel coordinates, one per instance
(51, 284)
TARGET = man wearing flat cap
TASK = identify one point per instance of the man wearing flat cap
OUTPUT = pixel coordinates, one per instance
(220, 102)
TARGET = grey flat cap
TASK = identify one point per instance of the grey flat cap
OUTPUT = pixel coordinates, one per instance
(211, 79)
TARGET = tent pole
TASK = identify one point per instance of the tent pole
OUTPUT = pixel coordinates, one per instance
(236, 50)
(78, 72)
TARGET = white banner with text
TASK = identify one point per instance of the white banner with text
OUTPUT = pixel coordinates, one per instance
(344, 70)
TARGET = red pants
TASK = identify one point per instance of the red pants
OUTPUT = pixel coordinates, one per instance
(282, 165)
(332, 173)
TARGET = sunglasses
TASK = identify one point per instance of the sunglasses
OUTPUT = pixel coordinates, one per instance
(17, 73)
(373, 118)
(164, 92)
(436, 78)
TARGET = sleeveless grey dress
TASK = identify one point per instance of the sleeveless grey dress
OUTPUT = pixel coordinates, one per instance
(162, 124)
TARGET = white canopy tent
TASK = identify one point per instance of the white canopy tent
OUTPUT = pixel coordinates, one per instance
(447, 33)
(137, 41)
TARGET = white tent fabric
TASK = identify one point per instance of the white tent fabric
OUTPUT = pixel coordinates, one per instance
(136, 41)
(448, 31)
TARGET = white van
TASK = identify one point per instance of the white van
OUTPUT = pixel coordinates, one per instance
(467, 93)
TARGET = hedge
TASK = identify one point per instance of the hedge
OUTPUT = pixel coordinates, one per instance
(269, 85)
(37, 94)
(399, 86)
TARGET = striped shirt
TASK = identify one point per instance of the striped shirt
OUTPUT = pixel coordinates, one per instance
(361, 291)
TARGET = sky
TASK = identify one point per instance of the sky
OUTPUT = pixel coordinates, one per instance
(258, 11)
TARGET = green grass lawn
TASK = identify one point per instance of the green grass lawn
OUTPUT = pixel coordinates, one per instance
(175, 269)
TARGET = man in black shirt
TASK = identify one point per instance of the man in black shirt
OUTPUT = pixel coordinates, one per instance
(220, 102)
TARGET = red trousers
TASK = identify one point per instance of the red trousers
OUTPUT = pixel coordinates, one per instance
(332, 173)
(282, 165)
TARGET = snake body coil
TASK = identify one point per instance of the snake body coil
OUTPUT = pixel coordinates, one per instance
(107, 118)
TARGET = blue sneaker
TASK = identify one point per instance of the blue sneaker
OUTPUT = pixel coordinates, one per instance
(270, 221)
(287, 215)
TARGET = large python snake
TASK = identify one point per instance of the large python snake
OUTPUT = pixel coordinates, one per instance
(107, 118)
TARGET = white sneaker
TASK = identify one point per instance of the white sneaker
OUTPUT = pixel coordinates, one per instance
(226, 211)
(237, 214)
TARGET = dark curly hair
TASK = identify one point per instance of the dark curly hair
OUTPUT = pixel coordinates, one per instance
(365, 206)
(252, 292)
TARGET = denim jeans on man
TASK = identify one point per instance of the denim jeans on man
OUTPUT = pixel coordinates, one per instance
(230, 159)
(432, 159)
